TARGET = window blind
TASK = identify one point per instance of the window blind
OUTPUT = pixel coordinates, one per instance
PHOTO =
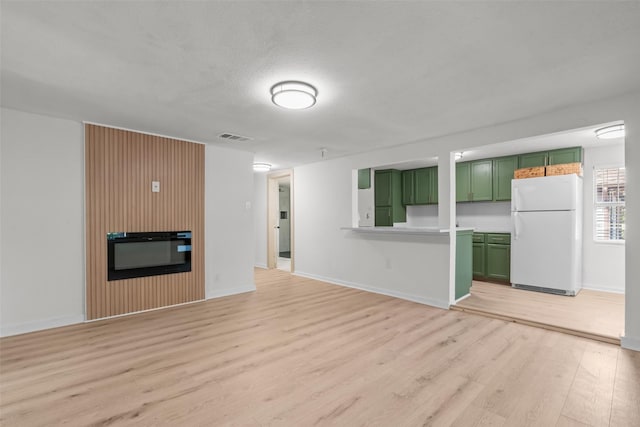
(609, 207)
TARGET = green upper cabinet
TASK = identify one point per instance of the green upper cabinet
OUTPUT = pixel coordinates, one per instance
(364, 179)
(565, 155)
(503, 169)
(532, 160)
(420, 186)
(553, 157)
(463, 181)
(388, 197)
(382, 188)
(422, 190)
(408, 187)
(433, 184)
(474, 181)
(481, 180)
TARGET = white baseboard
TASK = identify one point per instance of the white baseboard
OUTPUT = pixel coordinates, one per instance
(601, 289)
(630, 343)
(462, 298)
(225, 292)
(39, 325)
(259, 265)
(409, 297)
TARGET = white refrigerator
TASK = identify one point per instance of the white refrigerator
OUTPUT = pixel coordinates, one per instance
(546, 243)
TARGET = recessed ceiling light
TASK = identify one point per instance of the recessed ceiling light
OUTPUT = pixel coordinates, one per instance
(293, 95)
(610, 132)
(261, 167)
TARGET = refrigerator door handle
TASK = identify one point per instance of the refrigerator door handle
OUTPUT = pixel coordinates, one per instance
(516, 199)
(515, 226)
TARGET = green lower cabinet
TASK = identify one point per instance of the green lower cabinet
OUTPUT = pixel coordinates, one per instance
(463, 263)
(492, 256)
(479, 261)
(384, 217)
(498, 262)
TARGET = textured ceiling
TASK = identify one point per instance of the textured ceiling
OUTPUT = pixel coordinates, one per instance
(387, 72)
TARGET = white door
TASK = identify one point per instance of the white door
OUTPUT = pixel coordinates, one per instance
(544, 249)
(549, 193)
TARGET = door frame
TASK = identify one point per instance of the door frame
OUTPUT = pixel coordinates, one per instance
(273, 216)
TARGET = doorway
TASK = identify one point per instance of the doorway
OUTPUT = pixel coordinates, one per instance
(280, 252)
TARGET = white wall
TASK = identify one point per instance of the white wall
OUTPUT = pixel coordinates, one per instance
(322, 250)
(410, 267)
(229, 221)
(603, 263)
(260, 219)
(42, 222)
(422, 216)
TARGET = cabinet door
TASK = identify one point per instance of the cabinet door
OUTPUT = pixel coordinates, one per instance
(498, 261)
(433, 193)
(531, 160)
(382, 188)
(481, 180)
(408, 187)
(478, 260)
(364, 179)
(422, 186)
(503, 169)
(383, 216)
(463, 181)
(565, 155)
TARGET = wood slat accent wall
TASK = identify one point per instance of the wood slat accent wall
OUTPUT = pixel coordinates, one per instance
(119, 168)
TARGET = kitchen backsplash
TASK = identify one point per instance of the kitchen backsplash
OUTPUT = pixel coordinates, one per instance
(490, 216)
(422, 216)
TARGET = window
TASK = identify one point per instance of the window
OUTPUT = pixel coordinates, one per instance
(609, 195)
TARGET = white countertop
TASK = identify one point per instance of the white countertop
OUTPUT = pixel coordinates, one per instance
(405, 230)
(491, 230)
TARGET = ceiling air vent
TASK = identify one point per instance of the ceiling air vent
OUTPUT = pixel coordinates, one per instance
(232, 137)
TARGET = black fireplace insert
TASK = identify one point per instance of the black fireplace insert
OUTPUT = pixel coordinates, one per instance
(140, 254)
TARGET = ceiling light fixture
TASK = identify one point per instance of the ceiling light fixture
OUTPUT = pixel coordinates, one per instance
(610, 132)
(458, 155)
(293, 95)
(261, 167)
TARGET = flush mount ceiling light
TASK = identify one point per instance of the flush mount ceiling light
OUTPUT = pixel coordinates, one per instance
(610, 132)
(293, 95)
(261, 167)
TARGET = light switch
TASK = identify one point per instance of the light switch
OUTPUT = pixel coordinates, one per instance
(155, 186)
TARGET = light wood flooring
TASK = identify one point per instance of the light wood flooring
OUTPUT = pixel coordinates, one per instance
(299, 352)
(593, 314)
